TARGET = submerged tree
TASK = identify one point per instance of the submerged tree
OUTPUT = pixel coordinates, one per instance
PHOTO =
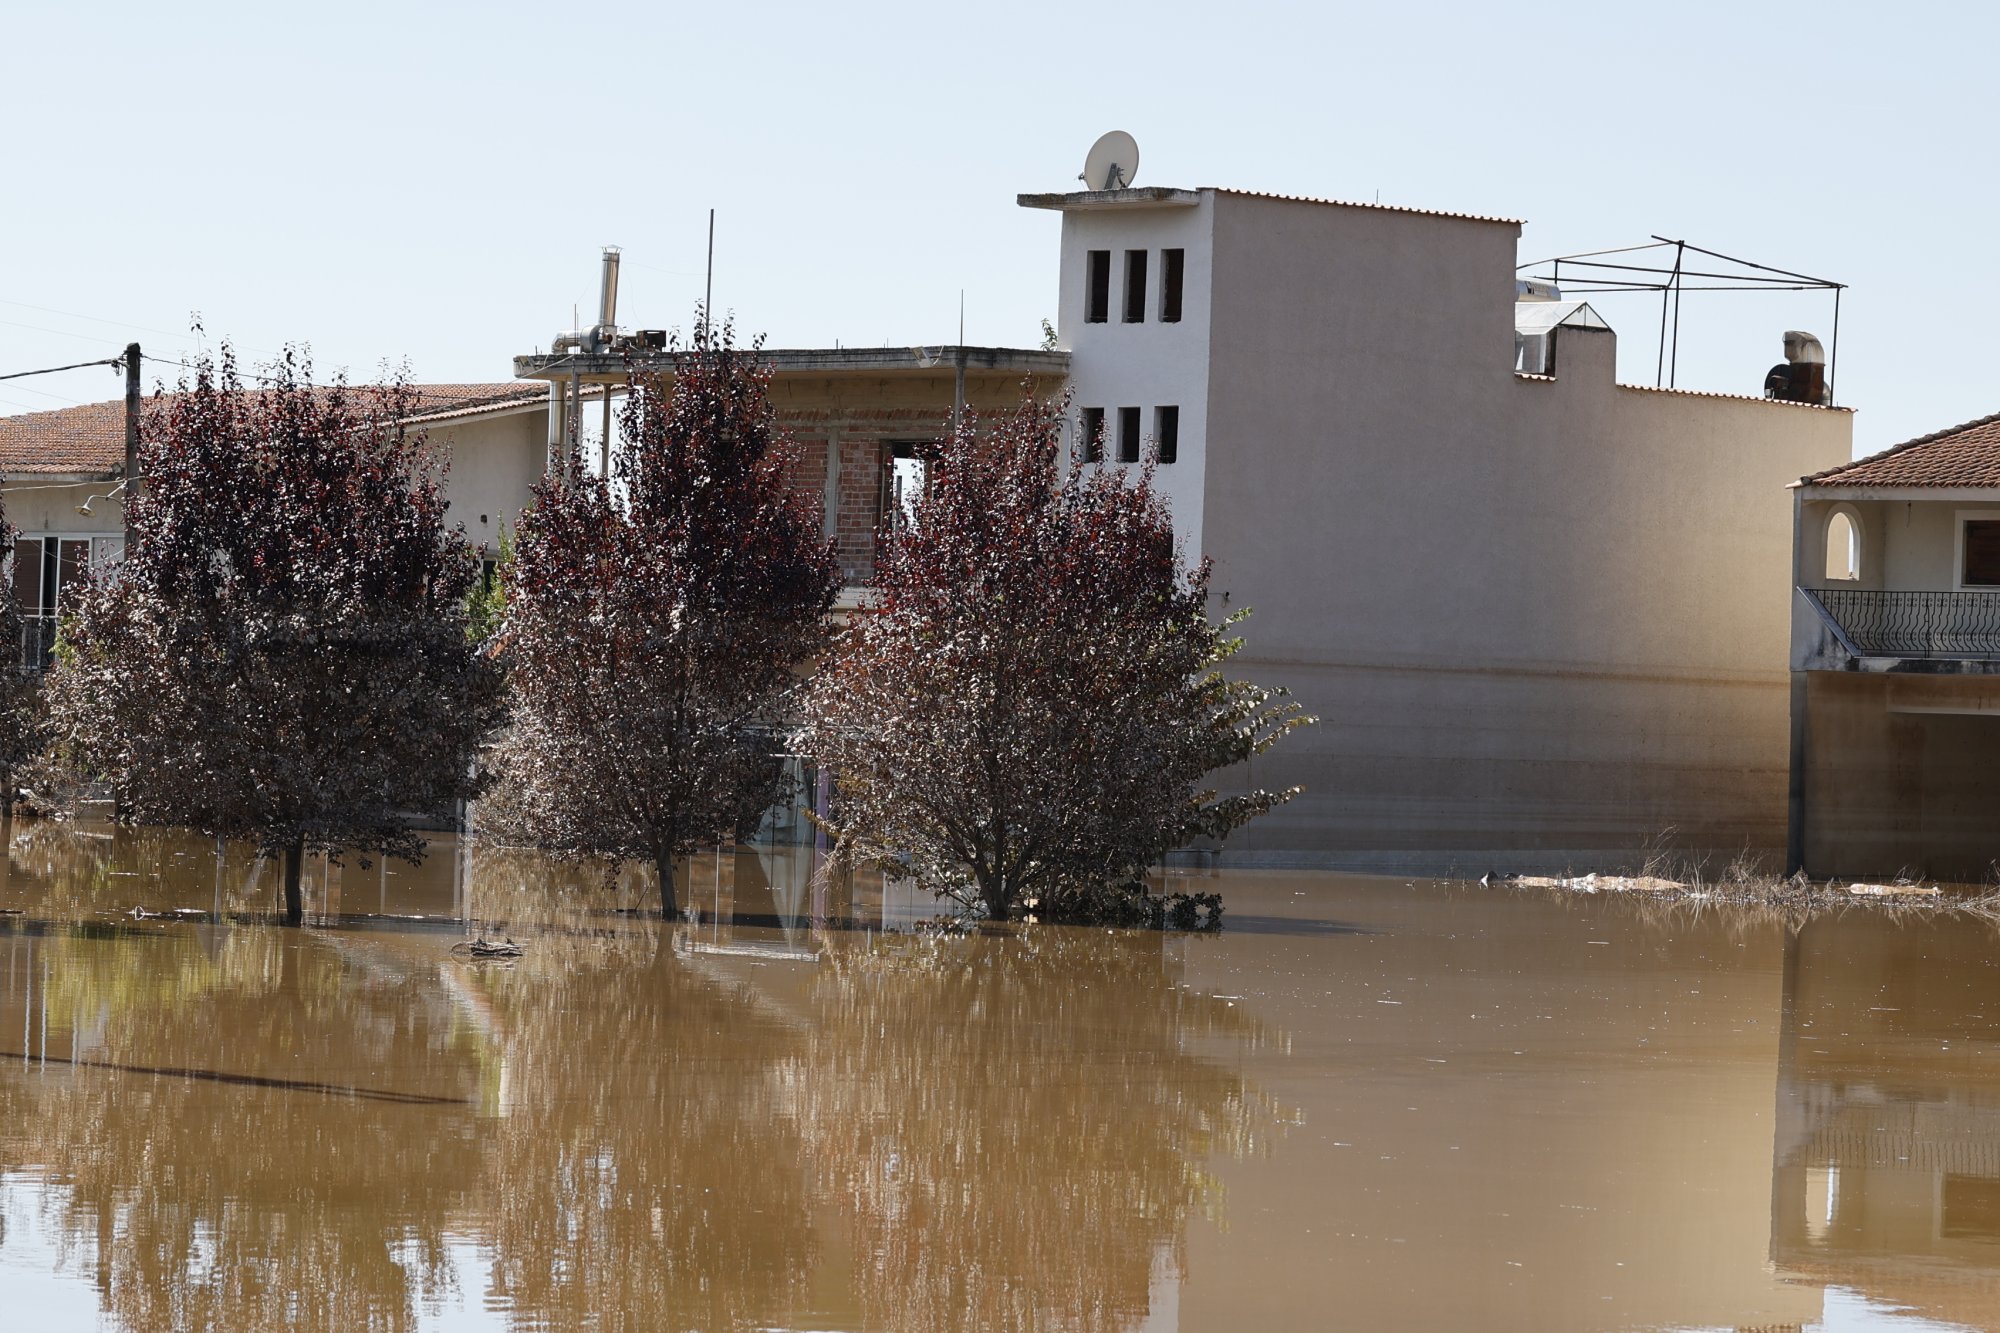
(20, 693)
(282, 654)
(655, 622)
(1032, 708)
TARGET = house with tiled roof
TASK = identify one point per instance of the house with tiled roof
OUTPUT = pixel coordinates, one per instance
(60, 473)
(1896, 660)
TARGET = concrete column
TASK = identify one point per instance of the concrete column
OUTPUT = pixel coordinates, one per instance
(830, 522)
(555, 424)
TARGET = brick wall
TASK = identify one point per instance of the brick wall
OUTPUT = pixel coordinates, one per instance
(863, 459)
(860, 507)
(805, 476)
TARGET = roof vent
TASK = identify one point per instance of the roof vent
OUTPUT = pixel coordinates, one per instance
(1801, 376)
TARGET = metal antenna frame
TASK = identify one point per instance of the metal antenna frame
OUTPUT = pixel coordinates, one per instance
(1591, 271)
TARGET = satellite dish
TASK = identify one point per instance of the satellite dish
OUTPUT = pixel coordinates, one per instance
(1112, 163)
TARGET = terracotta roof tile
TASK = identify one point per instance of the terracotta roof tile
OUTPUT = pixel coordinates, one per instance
(1963, 455)
(91, 439)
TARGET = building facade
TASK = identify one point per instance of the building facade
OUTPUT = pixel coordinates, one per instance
(1541, 615)
(1896, 661)
(63, 496)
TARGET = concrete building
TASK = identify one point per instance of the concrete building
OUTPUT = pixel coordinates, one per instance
(1540, 614)
(854, 412)
(1896, 660)
(62, 471)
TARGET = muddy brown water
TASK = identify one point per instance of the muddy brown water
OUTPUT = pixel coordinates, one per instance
(1369, 1103)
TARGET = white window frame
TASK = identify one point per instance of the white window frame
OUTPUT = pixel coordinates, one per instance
(1959, 518)
(105, 548)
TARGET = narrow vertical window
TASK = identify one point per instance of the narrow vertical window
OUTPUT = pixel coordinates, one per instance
(1173, 269)
(906, 480)
(1135, 286)
(1167, 432)
(1128, 434)
(1097, 287)
(1093, 434)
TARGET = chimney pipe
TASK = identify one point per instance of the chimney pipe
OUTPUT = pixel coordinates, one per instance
(607, 301)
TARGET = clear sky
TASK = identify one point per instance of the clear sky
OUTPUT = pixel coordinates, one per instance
(433, 182)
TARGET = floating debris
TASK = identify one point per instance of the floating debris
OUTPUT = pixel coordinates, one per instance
(1894, 890)
(485, 948)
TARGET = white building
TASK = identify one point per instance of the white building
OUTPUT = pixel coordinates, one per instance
(62, 471)
(1896, 661)
(1541, 616)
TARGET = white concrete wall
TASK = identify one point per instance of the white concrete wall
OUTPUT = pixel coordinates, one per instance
(40, 507)
(494, 464)
(1148, 364)
(1542, 622)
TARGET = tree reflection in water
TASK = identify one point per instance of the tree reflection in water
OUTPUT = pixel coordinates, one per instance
(199, 1203)
(635, 1125)
(640, 1176)
(1016, 1126)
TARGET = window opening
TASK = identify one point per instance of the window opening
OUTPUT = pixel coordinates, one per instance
(46, 569)
(902, 483)
(1093, 434)
(1981, 562)
(1135, 286)
(1173, 271)
(1097, 287)
(1843, 548)
(1128, 434)
(1167, 432)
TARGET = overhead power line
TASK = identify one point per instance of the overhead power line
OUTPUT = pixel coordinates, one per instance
(52, 370)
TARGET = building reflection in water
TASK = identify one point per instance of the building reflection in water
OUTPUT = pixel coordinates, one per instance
(1886, 1167)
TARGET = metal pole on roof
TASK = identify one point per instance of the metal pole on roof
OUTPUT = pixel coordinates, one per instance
(1833, 356)
(131, 438)
(1674, 364)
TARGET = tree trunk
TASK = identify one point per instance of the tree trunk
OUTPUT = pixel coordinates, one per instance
(663, 865)
(997, 894)
(295, 908)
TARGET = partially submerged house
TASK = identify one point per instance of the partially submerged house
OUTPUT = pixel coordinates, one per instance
(63, 471)
(1896, 660)
(1540, 614)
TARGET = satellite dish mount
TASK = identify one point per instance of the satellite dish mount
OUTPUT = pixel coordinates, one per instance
(1112, 163)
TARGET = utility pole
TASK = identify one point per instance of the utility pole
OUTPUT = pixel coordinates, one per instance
(131, 437)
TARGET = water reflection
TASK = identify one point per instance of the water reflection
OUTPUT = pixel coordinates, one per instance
(1886, 1171)
(199, 1100)
(1015, 1130)
(225, 1124)
(1497, 1110)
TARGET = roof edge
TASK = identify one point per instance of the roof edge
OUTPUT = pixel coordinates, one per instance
(1813, 478)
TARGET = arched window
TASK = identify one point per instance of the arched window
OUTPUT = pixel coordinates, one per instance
(1843, 547)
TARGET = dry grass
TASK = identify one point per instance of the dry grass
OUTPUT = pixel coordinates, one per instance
(1673, 880)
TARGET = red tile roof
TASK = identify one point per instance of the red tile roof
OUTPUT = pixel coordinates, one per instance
(1964, 455)
(91, 439)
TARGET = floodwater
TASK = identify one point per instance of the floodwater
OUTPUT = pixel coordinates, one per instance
(1369, 1104)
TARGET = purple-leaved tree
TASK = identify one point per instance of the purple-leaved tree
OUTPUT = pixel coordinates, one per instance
(1029, 711)
(21, 732)
(282, 654)
(656, 622)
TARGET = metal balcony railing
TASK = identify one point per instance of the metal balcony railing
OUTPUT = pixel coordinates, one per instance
(1915, 624)
(38, 643)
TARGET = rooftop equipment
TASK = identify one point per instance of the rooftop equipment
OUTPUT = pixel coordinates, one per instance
(1801, 376)
(1111, 163)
